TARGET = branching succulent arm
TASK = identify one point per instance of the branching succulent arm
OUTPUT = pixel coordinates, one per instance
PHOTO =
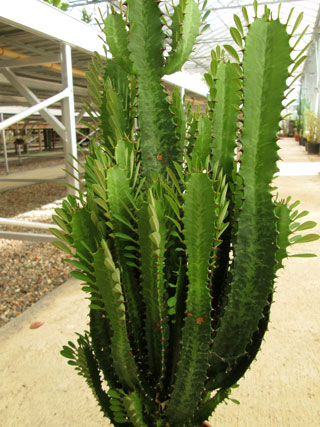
(176, 239)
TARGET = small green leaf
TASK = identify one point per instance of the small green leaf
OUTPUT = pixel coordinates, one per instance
(303, 50)
(96, 307)
(62, 247)
(156, 238)
(232, 52)
(298, 63)
(297, 23)
(123, 220)
(237, 68)
(255, 8)
(300, 37)
(294, 204)
(132, 264)
(174, 180)
(205, 16)
(214, 67)
(218, 52)
(289, 16)
(208, 79)
(236, 36)
(154, 223)
(79, 265)
(245, 15)
(66, 354)
(205, 28)
(172, 301)
(64, 216)
(90, 289)
(303, 256)
(60, 223)
(114, 394)
(80, 276)
(176, 223)
(238, 24)
(125, 237)
(305, 226)
(173, 205)
(120, 420)
(60, 235)
(304, 239)
(102, 203)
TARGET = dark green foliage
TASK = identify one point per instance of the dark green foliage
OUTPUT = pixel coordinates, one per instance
(176, 239)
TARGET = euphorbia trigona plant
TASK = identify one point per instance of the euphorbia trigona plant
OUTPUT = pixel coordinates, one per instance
(176, 241)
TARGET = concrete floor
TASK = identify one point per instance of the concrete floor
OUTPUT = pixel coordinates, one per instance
(281, 389)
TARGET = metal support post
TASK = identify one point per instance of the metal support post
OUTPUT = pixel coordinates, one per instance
(68, 118)
(4, 145)
(40, 139)
(182, 94)
(19, 154)
(317, 70)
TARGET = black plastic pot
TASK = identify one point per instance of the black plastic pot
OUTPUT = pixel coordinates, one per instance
(302, 141)
(313, 147)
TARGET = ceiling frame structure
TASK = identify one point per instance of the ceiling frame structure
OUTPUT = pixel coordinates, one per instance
(43, 77)
(65, 128)
(26, 63)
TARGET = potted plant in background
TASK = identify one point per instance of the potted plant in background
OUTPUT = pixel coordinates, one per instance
(304, 107)
(299, 121)
(176, 242)
(312, 133)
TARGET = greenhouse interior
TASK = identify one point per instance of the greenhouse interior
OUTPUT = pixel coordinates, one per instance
(159, 229)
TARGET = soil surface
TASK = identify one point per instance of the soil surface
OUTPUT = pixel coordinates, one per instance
(39, 389)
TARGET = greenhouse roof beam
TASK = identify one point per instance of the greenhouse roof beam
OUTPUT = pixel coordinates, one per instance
(46, 85)
(25, 62)
(77, 3)
(247, 4)
(79, 34)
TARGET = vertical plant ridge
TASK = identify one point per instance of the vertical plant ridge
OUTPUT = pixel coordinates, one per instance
(159, 145)
(256, 237)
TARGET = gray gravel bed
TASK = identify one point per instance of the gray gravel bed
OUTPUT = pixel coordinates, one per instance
(28, 270)
(32, 163)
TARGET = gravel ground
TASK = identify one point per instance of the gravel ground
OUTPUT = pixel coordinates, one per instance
(30, 163)
(28, 270)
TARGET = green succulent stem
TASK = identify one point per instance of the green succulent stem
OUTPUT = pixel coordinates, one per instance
(178, 236)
